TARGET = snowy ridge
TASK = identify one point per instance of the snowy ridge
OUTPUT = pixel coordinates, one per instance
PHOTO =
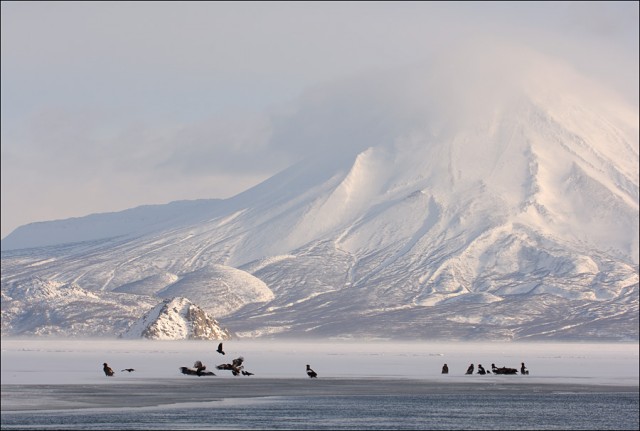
(45, 308)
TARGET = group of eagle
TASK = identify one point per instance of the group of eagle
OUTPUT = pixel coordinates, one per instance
(236, 368)
(199, 369)
(496, 370)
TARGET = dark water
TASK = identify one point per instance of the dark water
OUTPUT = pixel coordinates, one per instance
(596, 411)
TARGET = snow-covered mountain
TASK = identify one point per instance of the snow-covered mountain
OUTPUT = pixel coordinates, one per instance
(462, 214)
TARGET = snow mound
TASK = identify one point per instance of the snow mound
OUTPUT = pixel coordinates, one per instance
(219, 289)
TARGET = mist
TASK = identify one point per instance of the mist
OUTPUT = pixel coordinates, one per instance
(110, 106)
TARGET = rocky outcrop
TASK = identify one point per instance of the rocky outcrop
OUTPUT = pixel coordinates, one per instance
(177, 319)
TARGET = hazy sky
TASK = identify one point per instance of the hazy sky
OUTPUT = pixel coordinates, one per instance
(111, 105)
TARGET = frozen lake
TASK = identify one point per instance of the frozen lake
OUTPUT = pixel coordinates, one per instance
(63, 380)
(49, 361)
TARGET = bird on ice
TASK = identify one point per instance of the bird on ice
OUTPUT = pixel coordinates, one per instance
(107, 370)
(128, 370)
(312, 374)
(503, 370)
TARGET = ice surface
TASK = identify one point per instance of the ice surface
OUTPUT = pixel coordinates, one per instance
(58, 361)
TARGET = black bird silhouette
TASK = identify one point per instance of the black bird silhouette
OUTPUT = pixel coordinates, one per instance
(246, 373)
(128, 369)
(312, 374)
(523, 369)
(470, 369)
(107, 370)
(235, 366)
(481, 370)
(445, 369)
(220, 349)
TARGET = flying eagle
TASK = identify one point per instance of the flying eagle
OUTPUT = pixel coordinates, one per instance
(235, 366)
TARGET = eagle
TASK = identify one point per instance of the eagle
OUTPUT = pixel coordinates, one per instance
(235, 366)
(197, 370)
(312, 374)
(107, 370)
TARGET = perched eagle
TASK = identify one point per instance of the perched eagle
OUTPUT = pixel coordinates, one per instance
(107, 370)
(312, 374)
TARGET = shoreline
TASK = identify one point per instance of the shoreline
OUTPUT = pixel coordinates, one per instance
(25, 398)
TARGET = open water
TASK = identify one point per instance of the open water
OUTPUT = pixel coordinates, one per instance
(592, 410)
